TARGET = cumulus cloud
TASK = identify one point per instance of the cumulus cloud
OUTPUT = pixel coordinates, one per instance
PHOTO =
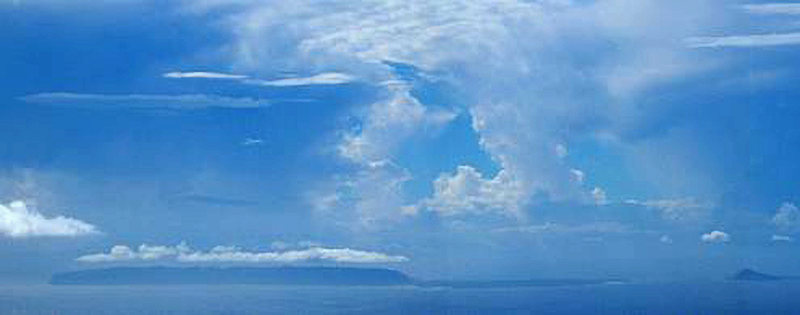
(665, 239)
(373, 191)
(327, 78)
(518, 67)
(144, 101)
(388, 123)
(203, 75)
(715, 237)
(182, 253)
(17, 220)
(787, 218)
(468, 192)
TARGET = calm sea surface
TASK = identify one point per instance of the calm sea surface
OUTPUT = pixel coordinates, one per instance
(683, 298)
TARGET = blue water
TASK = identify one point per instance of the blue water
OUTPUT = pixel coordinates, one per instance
(674, 298)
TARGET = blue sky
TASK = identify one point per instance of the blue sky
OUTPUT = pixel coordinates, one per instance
(448, 139)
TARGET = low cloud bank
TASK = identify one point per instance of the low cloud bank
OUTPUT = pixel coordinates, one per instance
(182, 253)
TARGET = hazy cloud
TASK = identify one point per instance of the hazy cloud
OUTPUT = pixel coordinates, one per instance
(787, 218)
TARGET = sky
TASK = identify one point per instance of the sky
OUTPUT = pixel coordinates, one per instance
(458, 139)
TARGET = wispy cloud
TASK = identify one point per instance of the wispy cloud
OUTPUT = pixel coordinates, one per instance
(753, 40)
(676, 209)
(554, 228)
(744, 40)
(17, 220)
(144, 101)
(218, 201)
(327, 78)
(249, 142)
(182, 253)
(773, 8)
(203, 75)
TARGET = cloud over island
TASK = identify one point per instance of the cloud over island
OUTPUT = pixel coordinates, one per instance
(182, 253)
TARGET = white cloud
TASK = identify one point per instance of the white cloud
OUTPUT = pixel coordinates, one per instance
(665, 239)
(327, 78)
(787, 218)
(773, 8)
(467, 192)
(204, 75)
(18, 221)
(227, 254)
(144, 101)
(744, 40)
(782, 238)
(715, 237)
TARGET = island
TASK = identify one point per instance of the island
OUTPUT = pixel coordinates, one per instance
(323, 276)
(752, 275)
(233, 275)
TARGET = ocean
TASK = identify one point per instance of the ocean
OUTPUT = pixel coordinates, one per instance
(782, 297)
